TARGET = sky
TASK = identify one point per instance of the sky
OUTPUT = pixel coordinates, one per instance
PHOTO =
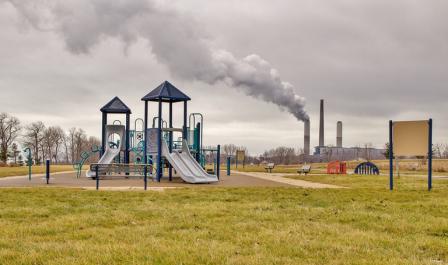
(239, 61)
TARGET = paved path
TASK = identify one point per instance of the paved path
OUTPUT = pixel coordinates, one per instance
(69, 179)
(279, 177)
(237, 179)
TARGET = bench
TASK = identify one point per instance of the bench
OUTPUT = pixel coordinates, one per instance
(304, 170)
(269, 167)
(127, 169)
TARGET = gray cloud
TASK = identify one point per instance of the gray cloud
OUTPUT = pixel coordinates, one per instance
(176, 41)
(372, 60)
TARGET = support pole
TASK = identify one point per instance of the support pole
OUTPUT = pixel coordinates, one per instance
(97, 178)
(126, 152)
(145, 146)
(198, 143)
(185, 133)
(171, 140)
(228, 166)
(30, 162)
(103, 134)
(391, 156)
(218, 161)
(47, 175)
(430, 156)
(159, 146)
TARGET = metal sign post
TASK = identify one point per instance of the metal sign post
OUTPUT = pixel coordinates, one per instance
(410, 138)
(30, 161)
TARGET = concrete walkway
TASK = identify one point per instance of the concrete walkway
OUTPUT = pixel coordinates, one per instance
(68, 179)
(237, 179)
(279, 178)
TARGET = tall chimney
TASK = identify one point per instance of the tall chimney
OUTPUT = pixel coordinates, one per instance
(322, 124)
(307, 143)
(339, 134)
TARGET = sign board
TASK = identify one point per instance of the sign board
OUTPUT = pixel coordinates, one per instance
(241, 155)
(410, 138)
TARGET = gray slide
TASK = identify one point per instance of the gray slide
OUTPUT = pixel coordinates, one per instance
(187, 167)
(110, 153)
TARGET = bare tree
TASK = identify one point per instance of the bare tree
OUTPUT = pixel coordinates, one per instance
(53, 138)
(66, 145)
(281, 155)
(9, 131)
(229, 149)
(72, 143)
(15, 152)
(33, 138)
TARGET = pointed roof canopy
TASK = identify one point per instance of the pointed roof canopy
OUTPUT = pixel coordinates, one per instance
(116, 106)
(167, 93)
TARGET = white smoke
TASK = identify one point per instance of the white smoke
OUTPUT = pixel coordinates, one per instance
(176, 41)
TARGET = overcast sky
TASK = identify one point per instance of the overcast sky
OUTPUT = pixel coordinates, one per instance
(371, 60)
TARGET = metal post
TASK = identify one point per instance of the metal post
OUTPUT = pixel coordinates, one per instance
(30, 162)
(126, 152)
(103, 134)
(159, 146)
(97, 178)
(218, 161)
(228, 166)
(171, 139)
(185, 133)
(198, 142)
(145, 146)
(391, 156)
(47, 176)
(430, 156)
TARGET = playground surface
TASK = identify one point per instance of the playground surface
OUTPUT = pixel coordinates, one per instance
(69, 179)
(237, 179)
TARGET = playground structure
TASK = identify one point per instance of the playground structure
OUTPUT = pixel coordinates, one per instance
(155, 147)
(337, 167)
(367, 168)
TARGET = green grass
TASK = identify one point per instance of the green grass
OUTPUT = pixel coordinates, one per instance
(366, 224)
(22, 171)
(360, 182)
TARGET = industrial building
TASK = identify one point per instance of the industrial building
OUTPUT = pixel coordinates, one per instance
(326, 153)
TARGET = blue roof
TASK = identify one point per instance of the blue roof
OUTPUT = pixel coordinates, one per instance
(116, 105)
(166, 92)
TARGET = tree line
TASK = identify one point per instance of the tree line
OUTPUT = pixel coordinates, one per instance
(281, 155)
(45, 142)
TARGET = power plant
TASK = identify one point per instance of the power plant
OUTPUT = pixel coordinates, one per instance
(322, 124)
(339, 134)
(307, 140)
(325, 153)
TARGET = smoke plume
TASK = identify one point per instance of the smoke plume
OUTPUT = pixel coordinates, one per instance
(176, 40)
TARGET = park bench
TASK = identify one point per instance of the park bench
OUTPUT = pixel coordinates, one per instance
(269, 167)
(304, 170)
(119, 169)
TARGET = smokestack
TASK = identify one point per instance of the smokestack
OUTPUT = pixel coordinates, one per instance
(322, 124)
(307, 143)
(339, 134)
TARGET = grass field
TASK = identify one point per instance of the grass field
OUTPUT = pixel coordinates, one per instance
(365, 224)
(407, 167)
(22, 171)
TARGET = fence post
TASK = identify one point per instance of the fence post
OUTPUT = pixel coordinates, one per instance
(47, 175)
(218, 161)
(97, 178)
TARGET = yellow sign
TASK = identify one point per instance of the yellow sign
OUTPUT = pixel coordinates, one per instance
(410, 138)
